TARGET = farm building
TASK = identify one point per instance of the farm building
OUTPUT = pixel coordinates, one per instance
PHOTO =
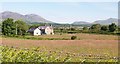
(41, 30)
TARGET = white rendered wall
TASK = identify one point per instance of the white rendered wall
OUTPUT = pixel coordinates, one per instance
(37, 32)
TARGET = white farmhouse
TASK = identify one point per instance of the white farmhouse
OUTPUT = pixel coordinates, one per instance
(37, 32)
(41, 30)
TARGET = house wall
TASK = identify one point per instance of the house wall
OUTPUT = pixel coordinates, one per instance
(48, 30)
(37, 32)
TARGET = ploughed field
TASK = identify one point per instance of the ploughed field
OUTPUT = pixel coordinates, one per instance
(90, 48)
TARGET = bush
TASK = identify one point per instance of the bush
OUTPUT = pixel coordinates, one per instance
(73, 37)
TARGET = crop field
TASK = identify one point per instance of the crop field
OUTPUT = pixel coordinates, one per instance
(90, 48)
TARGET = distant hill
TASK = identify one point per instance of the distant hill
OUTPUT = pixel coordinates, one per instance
(29, 18)
(102, 22)
(107, 21)
(35, 19)
(80, 22)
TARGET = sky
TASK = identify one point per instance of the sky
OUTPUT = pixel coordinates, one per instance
(59, 0)
(65, 12)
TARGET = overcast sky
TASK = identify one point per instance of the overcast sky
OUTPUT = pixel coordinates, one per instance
(65, 12)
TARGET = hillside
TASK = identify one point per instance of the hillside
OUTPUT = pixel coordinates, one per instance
(107, 21)
(102, 22)
(29, 18)
(81, 23)
(35, 19)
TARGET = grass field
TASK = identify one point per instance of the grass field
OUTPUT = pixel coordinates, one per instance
(102, 46)
(83, 36)
(80, 36)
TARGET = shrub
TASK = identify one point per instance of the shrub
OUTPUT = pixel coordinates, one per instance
(73, 37)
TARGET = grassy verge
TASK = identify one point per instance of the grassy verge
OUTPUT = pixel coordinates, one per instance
(80, 36)
(35, 38)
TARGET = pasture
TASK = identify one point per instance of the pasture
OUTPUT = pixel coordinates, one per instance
(64, 36)
(86, 46)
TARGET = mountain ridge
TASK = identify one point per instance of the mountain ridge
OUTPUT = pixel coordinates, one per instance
(80, 22)
(102, 22)
(107, 21)
(34, 18)
(28, 18)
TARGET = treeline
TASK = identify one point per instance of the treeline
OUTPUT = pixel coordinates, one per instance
(12, 28)
(102, 29)
(95, 29)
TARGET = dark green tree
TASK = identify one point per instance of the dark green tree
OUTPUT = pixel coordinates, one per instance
(85, 28)
(61, 30)
(73, 37)
(21, 27)
(72, 29)
(112, 27)
(34, 26)
(95, 27)
(104, 28)
(8, 27)
(118, 28)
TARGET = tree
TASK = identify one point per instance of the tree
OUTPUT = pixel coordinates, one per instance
(34, 26)
(73, 37)
(118, 28)
(85, 28)
(61, 30)
(72, 29)
(95, 27)
(104, 28)
(112, 27)
(8, 27)
(21, 27)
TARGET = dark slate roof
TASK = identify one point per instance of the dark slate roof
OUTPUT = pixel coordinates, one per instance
(40, 28)
(31, 29)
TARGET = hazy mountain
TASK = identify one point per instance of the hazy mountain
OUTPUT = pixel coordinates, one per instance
(33, 18)
(8, 14)
(29, 18)
(106, 22)
(102, 22)
(80, 22)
